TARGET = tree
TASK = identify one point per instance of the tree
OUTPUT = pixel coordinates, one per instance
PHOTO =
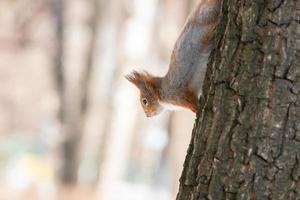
(73, 108)
(58, 71)
(246, 140)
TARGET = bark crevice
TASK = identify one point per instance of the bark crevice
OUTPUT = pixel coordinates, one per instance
(245, 143)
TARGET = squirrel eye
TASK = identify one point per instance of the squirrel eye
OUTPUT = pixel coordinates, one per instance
(145, 102)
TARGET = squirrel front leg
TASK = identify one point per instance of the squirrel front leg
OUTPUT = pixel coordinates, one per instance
(183, 81)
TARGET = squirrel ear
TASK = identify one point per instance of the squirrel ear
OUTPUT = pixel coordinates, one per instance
(136, 78)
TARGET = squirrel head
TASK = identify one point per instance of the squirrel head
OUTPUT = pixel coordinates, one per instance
(149, 91)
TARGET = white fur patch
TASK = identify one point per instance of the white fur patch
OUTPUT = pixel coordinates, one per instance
(169, 106)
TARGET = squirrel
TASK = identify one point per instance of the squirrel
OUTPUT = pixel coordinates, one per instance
(182, 84)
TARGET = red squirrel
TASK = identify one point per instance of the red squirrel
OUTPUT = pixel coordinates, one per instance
(182, 84)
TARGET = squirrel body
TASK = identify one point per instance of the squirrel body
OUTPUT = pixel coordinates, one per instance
(181, 86)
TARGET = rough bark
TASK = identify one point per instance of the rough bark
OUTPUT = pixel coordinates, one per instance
(246, 139)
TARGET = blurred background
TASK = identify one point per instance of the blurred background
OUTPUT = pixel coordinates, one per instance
(71, 126)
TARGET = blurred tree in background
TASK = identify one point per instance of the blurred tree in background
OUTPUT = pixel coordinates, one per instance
(73, 103)
(70, 125)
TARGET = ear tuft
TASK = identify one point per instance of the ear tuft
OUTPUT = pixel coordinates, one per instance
(134, 77)
(140, 79)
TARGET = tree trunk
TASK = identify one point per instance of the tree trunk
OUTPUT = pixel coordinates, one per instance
(75, 124)
(246, 140)
(72, 108)
(58, 71)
